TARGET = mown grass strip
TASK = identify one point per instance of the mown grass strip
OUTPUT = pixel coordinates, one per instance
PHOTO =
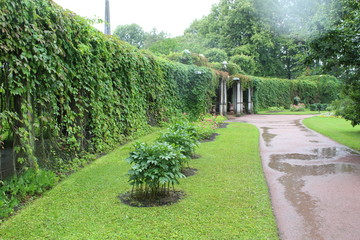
(337, 129)
(227, 199)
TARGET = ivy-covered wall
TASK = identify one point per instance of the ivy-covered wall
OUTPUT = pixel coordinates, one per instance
(67, 89)
(272, 92)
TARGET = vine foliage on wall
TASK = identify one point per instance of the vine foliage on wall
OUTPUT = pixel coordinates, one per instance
(68, 90)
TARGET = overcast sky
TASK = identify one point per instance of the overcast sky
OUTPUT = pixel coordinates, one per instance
(171, 16)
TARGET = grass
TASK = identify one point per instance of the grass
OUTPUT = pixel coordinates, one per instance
(337, 129)
(288, 112)
(227, 199)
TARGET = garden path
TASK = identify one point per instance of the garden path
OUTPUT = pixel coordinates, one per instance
(314, 182)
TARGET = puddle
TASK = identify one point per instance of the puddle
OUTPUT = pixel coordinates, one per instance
(320, 162)
(267, 136)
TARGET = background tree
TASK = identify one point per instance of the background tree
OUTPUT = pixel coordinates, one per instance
(131, 33)
(337, 48)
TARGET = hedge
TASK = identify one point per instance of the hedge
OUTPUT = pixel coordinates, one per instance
(272, 92)
(68, 90)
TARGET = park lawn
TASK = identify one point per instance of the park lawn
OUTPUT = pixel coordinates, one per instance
(288, 112)
(337, 129)
(227, 199)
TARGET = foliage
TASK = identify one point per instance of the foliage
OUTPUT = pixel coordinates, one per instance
(318, 107)
(246, 63)
(216, 55)
(296, 100)
(227, 187)
(272, 92)
(338, 48)
(20, 188)
(131, 33)
(207, 124)
(337, 129)
(67, 90)
(183, 136)
(155, 168)
(297, 107)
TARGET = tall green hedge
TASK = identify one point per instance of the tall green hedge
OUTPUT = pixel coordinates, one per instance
(67, 89)
(272, 92)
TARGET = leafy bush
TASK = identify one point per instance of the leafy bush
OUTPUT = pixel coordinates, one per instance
(296, 100)
(155, 168)
(20, 188)
(297, 108)
(276, 109)
(182, 135)
(216, 55)
(207, 124)
(318, 107)
(246, 63)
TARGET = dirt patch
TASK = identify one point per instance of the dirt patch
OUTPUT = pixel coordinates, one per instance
(223, 125)
(210, 139)
(188, 172)
(195, 156)
(163, 200)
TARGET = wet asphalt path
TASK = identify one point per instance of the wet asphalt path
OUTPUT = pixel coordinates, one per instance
(314, 182)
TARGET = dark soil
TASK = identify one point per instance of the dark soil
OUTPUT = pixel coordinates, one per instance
(195, 156)
(210, 139)
(223, 125)
(164, 200)
(188, 172)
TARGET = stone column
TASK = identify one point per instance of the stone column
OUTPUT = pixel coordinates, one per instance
(221, 109)
(238, 99)
(250, 100)
(225, 98)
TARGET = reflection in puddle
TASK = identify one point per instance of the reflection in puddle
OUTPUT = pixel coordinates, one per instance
(267, 136)
(295, 166)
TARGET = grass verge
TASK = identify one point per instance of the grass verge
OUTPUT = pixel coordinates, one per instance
(288, 112)
(337, 129)
(227, 199)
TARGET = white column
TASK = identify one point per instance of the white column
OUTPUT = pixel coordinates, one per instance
(225, 98)
(249, 101)
(221, 109)
(238, 100)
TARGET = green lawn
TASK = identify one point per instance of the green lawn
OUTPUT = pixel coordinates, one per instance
(227, 199)
(337, 129)
(288, 112)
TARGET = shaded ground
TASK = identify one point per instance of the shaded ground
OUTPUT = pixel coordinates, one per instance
(314, 182)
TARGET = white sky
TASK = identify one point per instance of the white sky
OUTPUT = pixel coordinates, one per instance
(171, 16)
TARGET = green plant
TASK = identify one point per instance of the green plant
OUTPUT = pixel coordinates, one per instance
(68, 90)
(184, 136)
(155, 168)
(275, 109)
(20, 188)
(297, 108)
(296, 100)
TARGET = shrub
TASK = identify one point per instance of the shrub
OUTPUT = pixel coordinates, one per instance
(207, 124)
(246, 63)
(276, 109)
(297, 108)
(318, 107)
(184, 136)
(155, 168)
(216, 55)
(20, 188)
(296, 100)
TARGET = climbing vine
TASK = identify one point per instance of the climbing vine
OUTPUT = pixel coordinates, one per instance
(272, 92)
(67, 90)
